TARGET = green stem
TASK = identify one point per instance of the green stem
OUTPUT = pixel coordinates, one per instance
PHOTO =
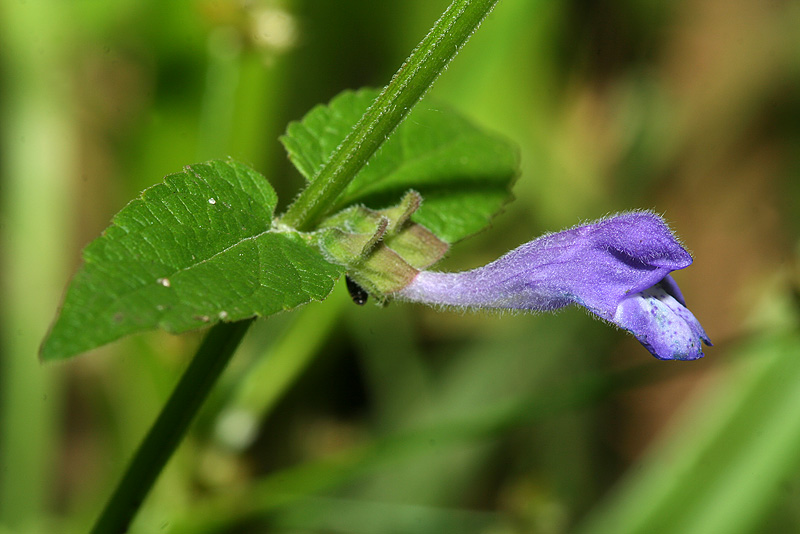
(407, 87)
(410, 83)
(194, 386)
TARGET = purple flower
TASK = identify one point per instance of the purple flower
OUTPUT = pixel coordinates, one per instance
(617, 268)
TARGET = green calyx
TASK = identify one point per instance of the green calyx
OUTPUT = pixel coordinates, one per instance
(382, 250)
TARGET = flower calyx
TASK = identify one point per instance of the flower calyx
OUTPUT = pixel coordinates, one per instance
(382, 250)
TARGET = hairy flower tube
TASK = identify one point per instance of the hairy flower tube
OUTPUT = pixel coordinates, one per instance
(617, 268)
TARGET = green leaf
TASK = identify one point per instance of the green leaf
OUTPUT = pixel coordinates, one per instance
(195, 250)
(463, 173)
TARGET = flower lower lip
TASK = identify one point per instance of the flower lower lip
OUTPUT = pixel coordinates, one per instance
(663, 324)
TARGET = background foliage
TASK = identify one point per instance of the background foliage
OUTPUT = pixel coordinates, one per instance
(336, 418)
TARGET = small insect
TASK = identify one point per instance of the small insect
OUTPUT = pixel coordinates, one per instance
(357, 293)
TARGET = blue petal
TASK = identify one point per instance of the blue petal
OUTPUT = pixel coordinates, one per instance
(662, 324)
(617, 268)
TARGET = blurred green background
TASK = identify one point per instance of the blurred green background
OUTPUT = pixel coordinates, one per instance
(340, 419)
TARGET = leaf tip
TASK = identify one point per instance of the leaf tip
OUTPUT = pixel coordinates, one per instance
(47, 352)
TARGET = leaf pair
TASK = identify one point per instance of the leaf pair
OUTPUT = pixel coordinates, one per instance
(203, 247)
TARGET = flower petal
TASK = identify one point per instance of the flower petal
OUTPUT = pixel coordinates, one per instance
(617, 268)
(595, 265)
(662, 324)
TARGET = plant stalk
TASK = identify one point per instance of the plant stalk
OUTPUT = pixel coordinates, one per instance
(407, 87)
(166, 433)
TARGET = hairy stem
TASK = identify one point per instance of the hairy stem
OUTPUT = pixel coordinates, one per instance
(407, 87)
